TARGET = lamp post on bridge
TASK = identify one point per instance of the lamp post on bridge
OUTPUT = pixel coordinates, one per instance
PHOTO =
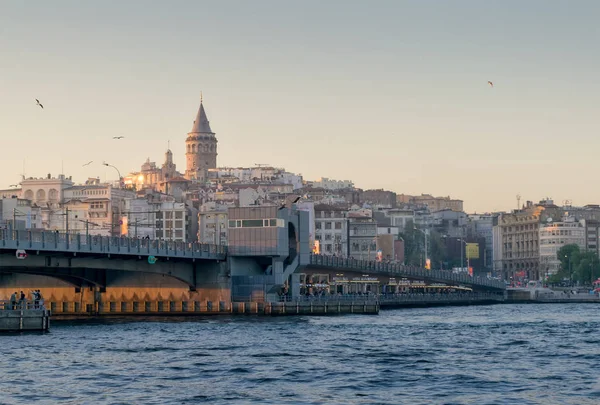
(118, 172)
(87, 226)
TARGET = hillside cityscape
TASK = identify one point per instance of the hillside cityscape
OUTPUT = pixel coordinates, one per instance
(539, 240)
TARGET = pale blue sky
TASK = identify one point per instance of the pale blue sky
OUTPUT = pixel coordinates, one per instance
(390, 94)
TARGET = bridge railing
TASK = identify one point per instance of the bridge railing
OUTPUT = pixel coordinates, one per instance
(398, 298)
(55, 241)
(403, 271)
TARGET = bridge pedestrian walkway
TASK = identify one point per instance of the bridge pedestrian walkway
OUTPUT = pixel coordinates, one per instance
(106, 245)
(411, 272)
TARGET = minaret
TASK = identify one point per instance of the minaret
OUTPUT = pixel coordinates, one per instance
(201, 148)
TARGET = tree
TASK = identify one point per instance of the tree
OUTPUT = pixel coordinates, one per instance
(412, 250)
(587, 269)
(414, 246)
(568, 255)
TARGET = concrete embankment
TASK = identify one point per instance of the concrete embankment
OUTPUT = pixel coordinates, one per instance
(548, 296)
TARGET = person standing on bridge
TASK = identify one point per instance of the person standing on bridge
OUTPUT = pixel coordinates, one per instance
(13, 300)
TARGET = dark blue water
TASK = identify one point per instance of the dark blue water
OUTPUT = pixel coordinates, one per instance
(503, 354)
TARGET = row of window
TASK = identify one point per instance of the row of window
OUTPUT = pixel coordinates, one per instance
(328, 225)
(256, 223)
(169, 214)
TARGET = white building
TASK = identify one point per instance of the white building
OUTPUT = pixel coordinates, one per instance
(331, 230)
(18, 214)
(95, 208)
(212, 223)
(553, 236)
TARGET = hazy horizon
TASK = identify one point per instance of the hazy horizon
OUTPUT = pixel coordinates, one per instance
(389, 94)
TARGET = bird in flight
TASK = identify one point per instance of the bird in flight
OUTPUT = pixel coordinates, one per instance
(490, 83)
(38, 103)
(88, 163)
(14, 185)
(118, 137)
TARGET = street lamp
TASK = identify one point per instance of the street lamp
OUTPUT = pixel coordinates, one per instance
(118, 172)
(462, 241)
(425, 234)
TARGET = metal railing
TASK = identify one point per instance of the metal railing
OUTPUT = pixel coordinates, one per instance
(62, 242)
(400, 270)
(451, 297)
(7, 305)
(398, 298)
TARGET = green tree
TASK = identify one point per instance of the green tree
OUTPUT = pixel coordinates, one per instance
(414, 246)
(568, 255)
(413, 241)
(587, 269)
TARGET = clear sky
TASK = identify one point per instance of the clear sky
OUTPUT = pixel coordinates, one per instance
(389, 94)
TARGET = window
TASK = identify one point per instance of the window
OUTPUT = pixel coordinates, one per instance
(338, 225)
(252, 223)
(317, 225)
(178, 215)
(327, 225)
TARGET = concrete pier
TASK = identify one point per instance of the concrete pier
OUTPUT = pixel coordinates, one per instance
(23, 318)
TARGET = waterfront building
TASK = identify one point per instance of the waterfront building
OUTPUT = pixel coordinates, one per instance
(362, 234)
(331, 229)
(556, 234)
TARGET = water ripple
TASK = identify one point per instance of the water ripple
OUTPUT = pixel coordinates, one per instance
(503, 354)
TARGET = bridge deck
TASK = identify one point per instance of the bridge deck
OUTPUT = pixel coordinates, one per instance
(77, 243)
(399, 270)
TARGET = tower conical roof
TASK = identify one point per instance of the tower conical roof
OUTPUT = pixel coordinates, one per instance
(201, 124)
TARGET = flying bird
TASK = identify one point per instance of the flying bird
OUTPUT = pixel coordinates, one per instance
(38, 103)
(118, 137)
(91, 161)
(14, 185)
(490, 83)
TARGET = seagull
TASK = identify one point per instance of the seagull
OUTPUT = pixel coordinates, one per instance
(38, 103)
(118, 137)
(91, 161)
(490, 83)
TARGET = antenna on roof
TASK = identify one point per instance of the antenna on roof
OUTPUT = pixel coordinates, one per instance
(518, 201)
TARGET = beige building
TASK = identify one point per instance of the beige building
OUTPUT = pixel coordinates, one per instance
(433, 203)
(519, 235)
(153, 177)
